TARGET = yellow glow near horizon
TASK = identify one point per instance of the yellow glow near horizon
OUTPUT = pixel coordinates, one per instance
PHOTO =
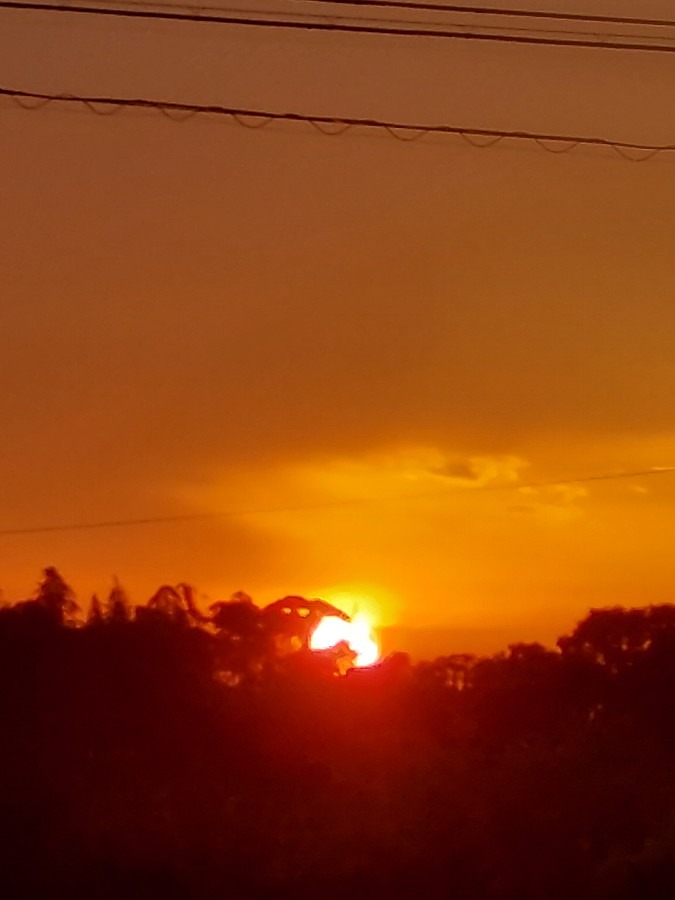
(379, 605)
(357, 634)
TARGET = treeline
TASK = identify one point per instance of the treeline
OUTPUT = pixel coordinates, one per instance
(162, 751)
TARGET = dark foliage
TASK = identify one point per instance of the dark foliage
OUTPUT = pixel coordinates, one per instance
(161, 752)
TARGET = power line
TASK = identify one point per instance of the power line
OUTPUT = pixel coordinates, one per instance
(334, 27)
(489, 12)
(335, 504)
(336, 125)
(493, 11)
(206, 11)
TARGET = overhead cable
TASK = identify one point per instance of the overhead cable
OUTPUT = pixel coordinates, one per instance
(338, 27)
(335, 504)
(337, 125)
(207, 11)
(499, 12)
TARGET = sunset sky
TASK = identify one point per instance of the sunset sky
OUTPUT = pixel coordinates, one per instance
(196, 318)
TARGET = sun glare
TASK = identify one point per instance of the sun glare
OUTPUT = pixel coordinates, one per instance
(358, 634)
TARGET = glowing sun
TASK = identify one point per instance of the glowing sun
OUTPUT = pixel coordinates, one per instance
(358, 634)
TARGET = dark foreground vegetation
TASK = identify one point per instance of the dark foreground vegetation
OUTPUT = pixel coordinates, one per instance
(159, 752)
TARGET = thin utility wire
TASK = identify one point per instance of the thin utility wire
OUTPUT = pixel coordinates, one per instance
(204, 11)
(336, 504)
(487, 11)
(497, 12)
(336, 27)
(336, 125)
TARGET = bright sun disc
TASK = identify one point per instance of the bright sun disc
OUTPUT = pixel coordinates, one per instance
(357, 633)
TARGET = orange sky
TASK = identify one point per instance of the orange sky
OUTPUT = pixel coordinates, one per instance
(196, 317)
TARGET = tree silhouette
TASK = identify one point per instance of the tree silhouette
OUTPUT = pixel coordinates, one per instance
(56, 597)
(161, 750)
